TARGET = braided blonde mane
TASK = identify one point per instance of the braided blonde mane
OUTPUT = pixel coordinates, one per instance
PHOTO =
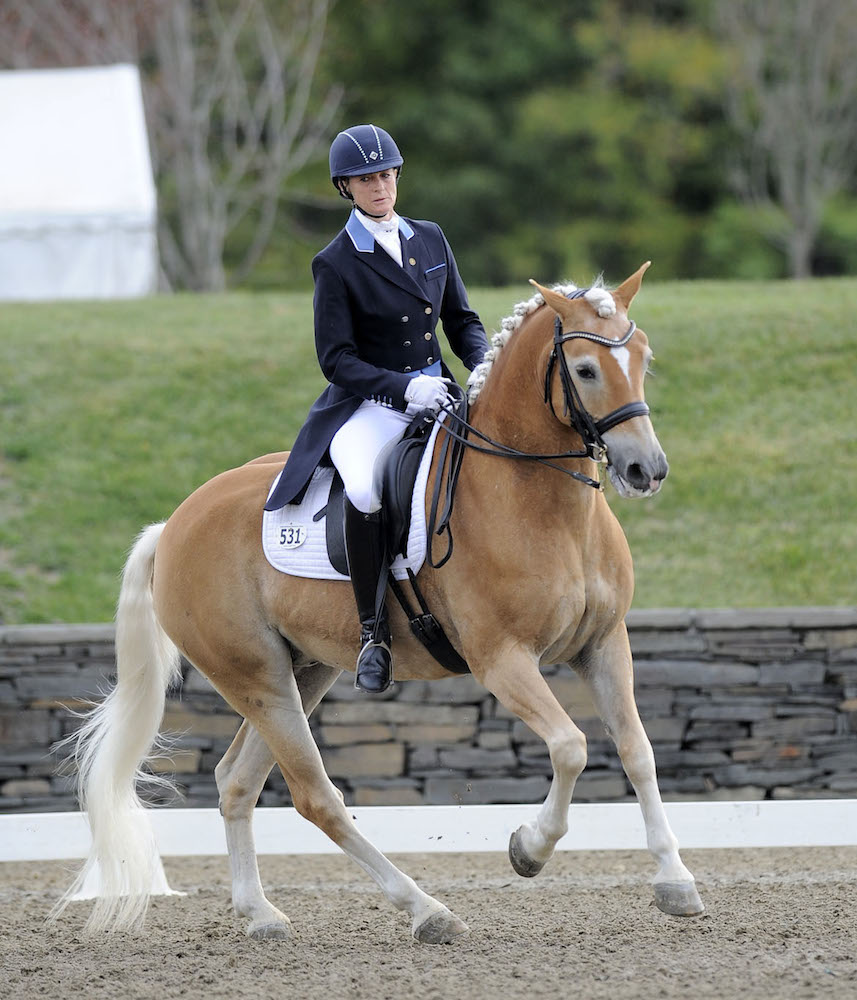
(597, 296)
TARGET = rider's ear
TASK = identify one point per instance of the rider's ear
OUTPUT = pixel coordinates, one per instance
(557, 301)
(630, 286)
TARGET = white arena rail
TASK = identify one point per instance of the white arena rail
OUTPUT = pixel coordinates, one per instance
(412, 829)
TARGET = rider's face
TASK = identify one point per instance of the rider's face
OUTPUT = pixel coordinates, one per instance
(375, 193)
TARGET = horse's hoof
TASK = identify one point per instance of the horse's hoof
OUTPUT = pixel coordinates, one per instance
(678, 898)
(521, 861)
(442, 927)
(270, 930)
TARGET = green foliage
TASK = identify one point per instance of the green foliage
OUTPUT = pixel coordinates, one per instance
(736, 242)
(543, 139)
(111, 413)
(836, 252)
(549, 141)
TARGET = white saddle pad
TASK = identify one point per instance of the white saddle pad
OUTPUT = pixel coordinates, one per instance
(295, 544)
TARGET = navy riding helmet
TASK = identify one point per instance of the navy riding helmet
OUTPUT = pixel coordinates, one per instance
(362, 149)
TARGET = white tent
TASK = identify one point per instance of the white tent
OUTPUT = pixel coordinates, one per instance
(77, 198)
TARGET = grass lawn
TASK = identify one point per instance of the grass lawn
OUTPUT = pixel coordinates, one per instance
(111, 413)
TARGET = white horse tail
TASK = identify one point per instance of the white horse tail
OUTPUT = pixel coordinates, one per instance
(116, 738)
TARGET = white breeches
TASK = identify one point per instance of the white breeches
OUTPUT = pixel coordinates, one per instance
(357, 446)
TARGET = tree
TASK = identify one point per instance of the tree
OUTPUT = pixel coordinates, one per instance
(230, 107)
(548, 140)
(792, 99)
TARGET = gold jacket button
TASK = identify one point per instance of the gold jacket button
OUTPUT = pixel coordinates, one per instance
(407, 368)
(428, 310)
(407, 343)
(412, 261)
(428, 336)
(404, 319)
(429, 361)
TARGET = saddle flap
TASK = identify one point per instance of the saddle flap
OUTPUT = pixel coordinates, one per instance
(398, 477)
(334, 525)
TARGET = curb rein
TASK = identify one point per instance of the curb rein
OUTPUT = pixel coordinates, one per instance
(580, 420)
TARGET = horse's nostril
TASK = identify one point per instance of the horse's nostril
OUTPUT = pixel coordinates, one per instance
(635, 475)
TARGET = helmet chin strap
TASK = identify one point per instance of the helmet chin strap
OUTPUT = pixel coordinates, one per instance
(369, 215)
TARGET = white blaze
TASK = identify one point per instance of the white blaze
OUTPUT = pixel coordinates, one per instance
(623, 358)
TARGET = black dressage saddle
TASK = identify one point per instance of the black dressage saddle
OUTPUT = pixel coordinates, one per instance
(400, 468)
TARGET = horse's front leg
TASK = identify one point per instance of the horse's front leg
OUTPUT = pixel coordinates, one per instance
(515, 680)
(609, 673)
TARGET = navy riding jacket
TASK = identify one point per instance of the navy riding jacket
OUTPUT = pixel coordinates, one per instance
(375, 324)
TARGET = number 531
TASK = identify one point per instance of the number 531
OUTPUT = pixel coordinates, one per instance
(292, 535)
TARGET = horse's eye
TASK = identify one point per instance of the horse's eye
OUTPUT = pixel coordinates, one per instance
(586, 372)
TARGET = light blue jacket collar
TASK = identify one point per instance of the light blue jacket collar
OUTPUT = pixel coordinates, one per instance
(362, 239)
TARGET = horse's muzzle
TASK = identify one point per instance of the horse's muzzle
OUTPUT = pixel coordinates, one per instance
(637, 475)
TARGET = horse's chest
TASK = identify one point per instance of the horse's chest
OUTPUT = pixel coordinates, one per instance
(583, 617)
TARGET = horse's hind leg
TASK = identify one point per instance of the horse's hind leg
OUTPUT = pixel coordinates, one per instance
(610, 676)
(240, 776)
(274, 710)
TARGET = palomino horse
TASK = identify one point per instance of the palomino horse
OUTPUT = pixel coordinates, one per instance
(561, 582)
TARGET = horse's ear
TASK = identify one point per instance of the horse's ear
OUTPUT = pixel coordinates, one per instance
(630, 286)
(558, 302)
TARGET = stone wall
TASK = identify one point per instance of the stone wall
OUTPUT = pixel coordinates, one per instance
(746, 704)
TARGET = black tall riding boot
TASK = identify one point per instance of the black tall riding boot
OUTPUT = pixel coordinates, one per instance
(364, 545)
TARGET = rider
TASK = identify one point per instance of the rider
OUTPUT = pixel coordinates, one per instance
(381, 285)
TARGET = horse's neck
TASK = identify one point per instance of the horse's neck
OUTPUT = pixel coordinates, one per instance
(511, 410)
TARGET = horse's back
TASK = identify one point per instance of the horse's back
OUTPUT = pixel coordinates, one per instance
(234, 491)
(218, 526)
(272, 458)
(237, 493)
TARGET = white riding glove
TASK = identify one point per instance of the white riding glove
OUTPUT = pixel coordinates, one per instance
(426, 392)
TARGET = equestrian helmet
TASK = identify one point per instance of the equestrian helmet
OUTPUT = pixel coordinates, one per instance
(362, 149)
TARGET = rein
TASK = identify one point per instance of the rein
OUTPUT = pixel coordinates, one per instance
(458, 432)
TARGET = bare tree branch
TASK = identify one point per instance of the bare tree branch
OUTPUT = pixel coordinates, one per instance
(792, 99)
(230, 104)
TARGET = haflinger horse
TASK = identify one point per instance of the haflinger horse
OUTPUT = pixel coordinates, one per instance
(541, 574)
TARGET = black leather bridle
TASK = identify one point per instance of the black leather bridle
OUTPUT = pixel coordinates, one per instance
(579, 418)
(459, 430)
